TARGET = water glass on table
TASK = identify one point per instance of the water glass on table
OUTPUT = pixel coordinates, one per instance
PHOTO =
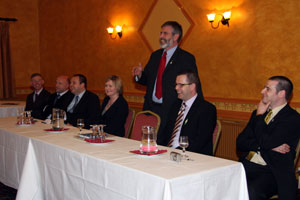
(21, 118)
(184, 143)
(80, 124)
(101, 132)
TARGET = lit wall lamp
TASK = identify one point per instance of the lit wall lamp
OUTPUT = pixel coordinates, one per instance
(118, 30)
(225, 19)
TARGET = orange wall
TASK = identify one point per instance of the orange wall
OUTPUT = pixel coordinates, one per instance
(262, 41)
(74, 39)
(24, 37)
(66, 37)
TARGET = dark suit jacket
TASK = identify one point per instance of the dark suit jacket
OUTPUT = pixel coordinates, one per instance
(181, 60)
(88, 109)
(115, 117)
(39, 104)
(283, 128)
(198, 125)
(61, 103)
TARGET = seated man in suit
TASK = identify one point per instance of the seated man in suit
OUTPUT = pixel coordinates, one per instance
(85, 104)
(190, 116)
(37, 100)
(269, 142)
(61, 98)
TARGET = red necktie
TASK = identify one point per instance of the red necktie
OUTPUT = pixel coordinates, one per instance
(161, 68)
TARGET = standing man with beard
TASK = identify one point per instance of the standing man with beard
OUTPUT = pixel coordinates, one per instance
(160, 73)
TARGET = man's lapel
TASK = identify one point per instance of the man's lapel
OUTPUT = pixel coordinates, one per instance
(279, 115)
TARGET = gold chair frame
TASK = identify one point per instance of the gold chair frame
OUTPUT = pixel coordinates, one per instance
(217, 138)
(128, 131)
(150, 113)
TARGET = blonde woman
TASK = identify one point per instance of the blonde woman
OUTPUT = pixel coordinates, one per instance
(114, 109)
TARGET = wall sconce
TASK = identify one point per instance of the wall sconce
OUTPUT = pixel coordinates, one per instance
(118, 30)
(225, 19)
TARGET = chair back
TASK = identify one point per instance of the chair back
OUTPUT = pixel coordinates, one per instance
(297, 153)
(129, 122)
(144, 118)
(216, 136)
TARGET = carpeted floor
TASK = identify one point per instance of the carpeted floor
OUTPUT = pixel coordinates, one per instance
(7, 193)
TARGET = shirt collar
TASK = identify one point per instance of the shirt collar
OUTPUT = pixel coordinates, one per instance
(171, 51)
(190, 102)
(277, 109)
(62, 93)
(81, 94)
(38, 92)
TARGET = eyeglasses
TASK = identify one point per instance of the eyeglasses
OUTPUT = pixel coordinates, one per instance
(182, 84)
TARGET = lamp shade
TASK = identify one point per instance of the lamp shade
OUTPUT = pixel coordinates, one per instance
(110, 30)
(118, 29)
(211, 17)
(227, 15)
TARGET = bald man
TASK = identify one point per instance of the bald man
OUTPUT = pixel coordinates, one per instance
(61, 98)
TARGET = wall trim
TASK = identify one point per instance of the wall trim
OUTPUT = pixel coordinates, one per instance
(233, 108)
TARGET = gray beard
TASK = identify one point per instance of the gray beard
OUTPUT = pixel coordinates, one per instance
(165, 45)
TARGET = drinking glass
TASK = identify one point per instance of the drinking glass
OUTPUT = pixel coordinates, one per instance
(95, 131)
(101, 132)
(184, 143)
(21, 118)
(80, 124)
(58, 119)
(20, 115)
(28, 119)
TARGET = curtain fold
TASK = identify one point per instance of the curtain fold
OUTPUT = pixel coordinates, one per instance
(7, 85)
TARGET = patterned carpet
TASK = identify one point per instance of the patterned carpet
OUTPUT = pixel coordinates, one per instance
(7, 193)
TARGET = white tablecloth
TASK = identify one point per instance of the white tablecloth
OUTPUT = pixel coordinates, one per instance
(11, 108)
(59, 166)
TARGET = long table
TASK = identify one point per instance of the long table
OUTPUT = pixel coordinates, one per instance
(11, 108)
(46, 165)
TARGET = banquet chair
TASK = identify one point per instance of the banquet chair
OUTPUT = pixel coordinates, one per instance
(216, 136)
(144, 118)
(129, 122)
(295, 162)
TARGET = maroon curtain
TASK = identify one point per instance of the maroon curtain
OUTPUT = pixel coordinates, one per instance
(7, 86)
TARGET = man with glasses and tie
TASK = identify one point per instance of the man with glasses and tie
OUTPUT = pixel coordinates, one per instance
(190, 116)
(269, 142)
(85, 104)
(61, 98)
(161, 70)
(37, 100)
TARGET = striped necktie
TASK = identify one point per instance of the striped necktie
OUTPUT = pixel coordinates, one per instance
(178, 123)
